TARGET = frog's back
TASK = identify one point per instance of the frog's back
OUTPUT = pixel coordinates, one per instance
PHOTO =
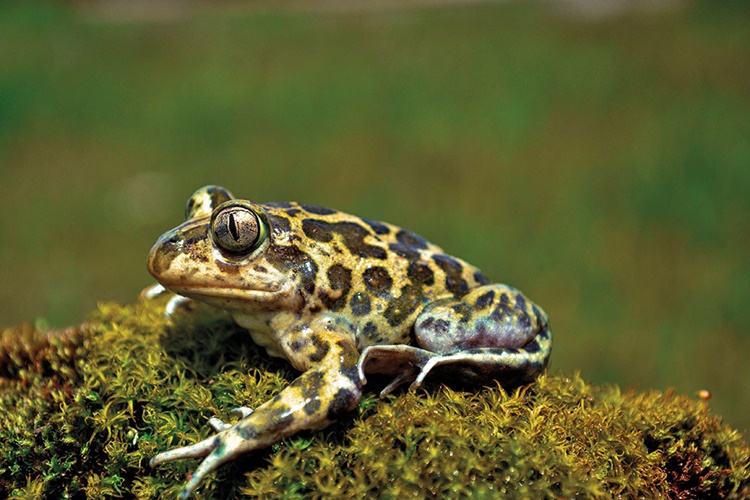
(376, 275)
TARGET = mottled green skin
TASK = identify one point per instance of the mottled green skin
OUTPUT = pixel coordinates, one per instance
(338, 296)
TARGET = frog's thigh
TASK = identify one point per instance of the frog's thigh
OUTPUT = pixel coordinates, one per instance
(492, 330)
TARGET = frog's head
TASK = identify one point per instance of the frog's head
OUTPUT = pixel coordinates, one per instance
(223, 255)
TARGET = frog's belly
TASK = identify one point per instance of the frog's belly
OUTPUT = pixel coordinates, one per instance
(261, 333)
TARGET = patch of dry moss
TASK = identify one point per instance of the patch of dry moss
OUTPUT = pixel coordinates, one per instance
(84, 409)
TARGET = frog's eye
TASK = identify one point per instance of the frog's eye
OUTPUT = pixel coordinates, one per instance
(237, 229)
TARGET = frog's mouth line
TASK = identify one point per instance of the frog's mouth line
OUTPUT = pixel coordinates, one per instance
(204, 293)
(221, 291)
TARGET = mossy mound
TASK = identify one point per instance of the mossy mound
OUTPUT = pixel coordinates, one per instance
(85, 408)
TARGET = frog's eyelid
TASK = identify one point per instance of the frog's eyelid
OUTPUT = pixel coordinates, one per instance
(205, 199)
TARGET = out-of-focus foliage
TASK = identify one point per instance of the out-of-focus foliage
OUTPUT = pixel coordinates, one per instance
(84, 409)
(600, 165)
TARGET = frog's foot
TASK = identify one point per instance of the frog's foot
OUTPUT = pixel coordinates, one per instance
(151, 291)
(218, 425)
(176, 303)
(419, 363)
(217, 450)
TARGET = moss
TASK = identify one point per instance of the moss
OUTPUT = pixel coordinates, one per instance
(85, 408)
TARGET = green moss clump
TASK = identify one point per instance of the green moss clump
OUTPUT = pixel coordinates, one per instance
(84, 409)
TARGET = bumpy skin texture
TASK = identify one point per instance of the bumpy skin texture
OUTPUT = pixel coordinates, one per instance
(338, 296)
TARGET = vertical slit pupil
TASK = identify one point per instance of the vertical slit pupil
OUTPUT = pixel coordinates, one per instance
(233, 227)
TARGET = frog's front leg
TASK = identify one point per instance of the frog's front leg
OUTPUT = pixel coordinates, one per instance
(324, 349)
(493, 331)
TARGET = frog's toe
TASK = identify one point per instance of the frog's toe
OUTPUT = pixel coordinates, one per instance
(213, 461)
(218, 425)
(217, 450)
(241, 411)
(425, 369)
(407, 362)
(402, 378)
(196, 450)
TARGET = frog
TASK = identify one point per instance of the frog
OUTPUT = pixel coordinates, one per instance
(340, 297)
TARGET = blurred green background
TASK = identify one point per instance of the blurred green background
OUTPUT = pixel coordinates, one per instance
(600, 164)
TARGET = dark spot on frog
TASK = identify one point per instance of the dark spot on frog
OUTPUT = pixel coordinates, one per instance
(341, 403)
(279, 224)
(454, 280)
(321, 348)
(436, 326)
(462, 310)
(376, 226)
(532, 347)
(504, 300)
(340, 282)
(354, 239)
(312, 406)
(218, 445)
(404, 251)
(420, 274)
(317, 230)
(484, 300)
(360, 304)
(480, 278)
(369, 330)
(411, 239)
(287, 258)
(404, 305)
(279, 204)
(377, 281)
(339, 277)
(520, 302)
(297, 345)
(353, 235)
(503, 309)
(313, 209)
(543, 334)
(293, 212)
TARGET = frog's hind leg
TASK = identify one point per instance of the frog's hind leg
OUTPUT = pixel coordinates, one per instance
(491, 332)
